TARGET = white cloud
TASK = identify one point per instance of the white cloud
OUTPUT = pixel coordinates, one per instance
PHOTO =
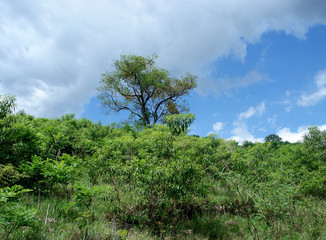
(289, 101)
(217, 127)
(287, 135)
(319, 94)
(272, 121)
(240, 131)
(53, 52)
(252, 111)
(209, 85)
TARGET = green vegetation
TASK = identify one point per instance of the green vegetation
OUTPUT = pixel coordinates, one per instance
(7, 105)
(73, 179)
(149, 93)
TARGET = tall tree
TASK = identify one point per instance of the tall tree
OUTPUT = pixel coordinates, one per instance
(274, 138)
(7, 105)
(149, 93)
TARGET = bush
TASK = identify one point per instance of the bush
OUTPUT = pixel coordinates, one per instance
(167, 189)
(18, 141)
(9, 175)
(12, 214)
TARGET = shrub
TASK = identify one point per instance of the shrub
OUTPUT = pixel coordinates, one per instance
(9, 175)
(12, 214)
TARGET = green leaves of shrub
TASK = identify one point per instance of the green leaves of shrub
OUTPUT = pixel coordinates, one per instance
(8, 194)
(85, 194)
(12, 214)
(7, 105)
(16, 216)
(82, 204)
(18, 141)
(179, 123)
(163, 185)
(9, 175)
(44, 174)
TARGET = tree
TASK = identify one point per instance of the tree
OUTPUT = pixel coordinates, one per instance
(7, 105)
(247, 143)
(315, 142)
(149, 93)
(315, 138)
(273, 138)
(179, 123)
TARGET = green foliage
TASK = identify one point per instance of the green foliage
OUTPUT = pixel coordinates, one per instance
(7, 105)
(9, 175)
(157, 182)
(179, 179)
(273, 138)
(12, 214)
(179, 123)
(85, 195)
(34, 172)
(247, 143)
(314, 183)
(315, 140)
(63, 171)
(82, 204)
(162, 185)
(17, 216)
(210, 227)
(18, 140)
(9, 194)
(45, 174)
(146, 91)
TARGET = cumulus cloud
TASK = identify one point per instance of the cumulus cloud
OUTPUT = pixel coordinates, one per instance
(53, 52)
(240, 131)
(287, 135)
(319, 94)
(217, 127)
(252, 111)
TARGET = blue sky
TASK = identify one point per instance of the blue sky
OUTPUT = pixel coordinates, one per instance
(261, 65)
(289, 65)
(282, 103)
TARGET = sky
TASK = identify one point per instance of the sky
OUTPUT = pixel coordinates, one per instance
(261, 64)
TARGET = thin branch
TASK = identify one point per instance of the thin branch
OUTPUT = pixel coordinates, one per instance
(46, 221)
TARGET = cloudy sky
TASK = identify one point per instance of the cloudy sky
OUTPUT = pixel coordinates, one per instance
(261, 63)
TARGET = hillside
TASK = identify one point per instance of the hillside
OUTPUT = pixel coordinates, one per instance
(74, 179)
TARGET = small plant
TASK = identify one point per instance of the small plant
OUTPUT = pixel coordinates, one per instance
(34, 171)
(179, 123)
(7, 105)
(12, 214)
(8, 194)
(63, 171)
(9, 175)
(17, 216)
(83, 202)
(166, 189)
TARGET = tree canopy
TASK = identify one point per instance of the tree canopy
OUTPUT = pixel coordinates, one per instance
(7, 105)
(148, 92)
(273, 138)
